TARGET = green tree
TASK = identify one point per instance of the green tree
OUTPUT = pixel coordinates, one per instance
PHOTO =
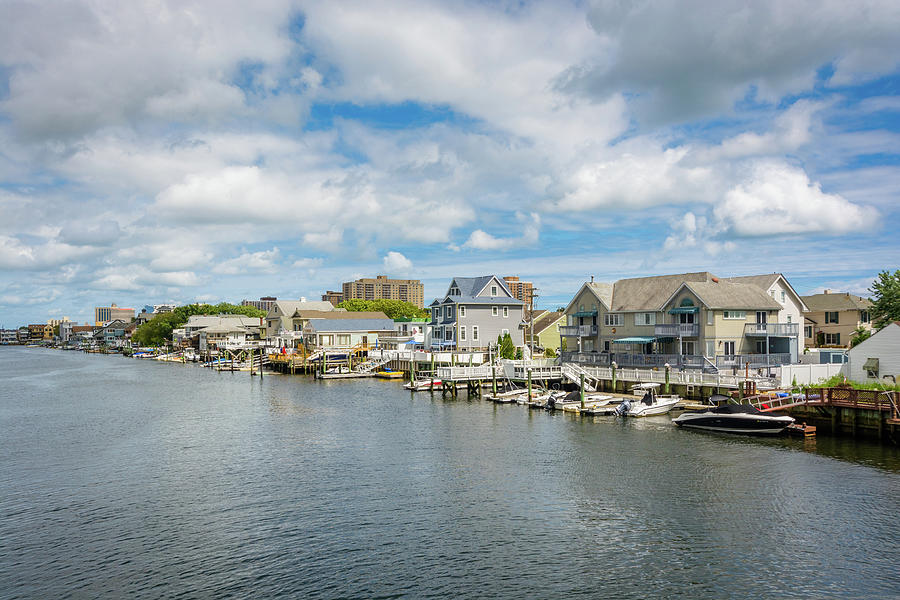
(507, 348)
(158, 330)
(885, 298)
(394, 309)
(860, 334)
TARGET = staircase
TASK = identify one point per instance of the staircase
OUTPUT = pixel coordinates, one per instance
(574, 372)
(370, 365)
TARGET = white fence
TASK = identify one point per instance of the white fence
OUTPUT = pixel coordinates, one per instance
(807, 374)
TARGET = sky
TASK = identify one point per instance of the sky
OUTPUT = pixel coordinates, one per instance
(155, 152)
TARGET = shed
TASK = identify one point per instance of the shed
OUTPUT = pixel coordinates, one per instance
(876, 358)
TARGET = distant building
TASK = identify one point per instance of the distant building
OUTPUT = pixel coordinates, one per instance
(265, 303)
(523, 290)
(334, 297)
(163, 308)
(9, 336)
(382, 288)
(833, 317)
(106, 314)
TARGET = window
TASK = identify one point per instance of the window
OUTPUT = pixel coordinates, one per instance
(462, 334)
(505, 332)
(613, 320)
(709, 318)
(807, 332)
(462, 312)
(326, 340)
(728, 348)
(760, 347)
(606, 346)
(735, 314)
(437, 313)
(449, 312)
(493, 290)
(494, 311)
(782, 296)
(448, 333)
(474, 333)
(454, 291)
(831, 317)
(645, 318)
(505, 311)
(832, 339)
(343, 339)
(710, 348)
(864, 316)
(789, 318)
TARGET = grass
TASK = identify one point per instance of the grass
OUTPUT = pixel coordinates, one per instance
(838, 379)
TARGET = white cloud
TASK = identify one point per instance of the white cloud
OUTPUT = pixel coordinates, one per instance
(250, 262)
(530, 228)
(397, 264)
(307, 263)
(778, 199)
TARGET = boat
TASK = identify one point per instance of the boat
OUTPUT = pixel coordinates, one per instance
(647, 402)
(424, 385)
(388, 374)
(735, 418)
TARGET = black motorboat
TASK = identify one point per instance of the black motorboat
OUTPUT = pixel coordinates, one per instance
(735, 418)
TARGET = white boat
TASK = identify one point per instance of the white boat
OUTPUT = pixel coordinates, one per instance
(424, 385)
(647, 402)
(735, 418)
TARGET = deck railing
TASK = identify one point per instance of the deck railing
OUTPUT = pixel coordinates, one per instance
(677, 330)
(578, 330)
(887, 401)
(772, 329)
(755, 361)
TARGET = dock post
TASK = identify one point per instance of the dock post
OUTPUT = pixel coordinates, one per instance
(529, 386)
(581, 387)
(261, 354)
(494, 377)
(613, 365)
(251, 362)
(668, 368)
(432, 377)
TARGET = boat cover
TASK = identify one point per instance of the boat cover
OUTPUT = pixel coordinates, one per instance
(733, 409)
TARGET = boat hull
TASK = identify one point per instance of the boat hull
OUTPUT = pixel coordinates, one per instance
(738, 423)
(657, 408)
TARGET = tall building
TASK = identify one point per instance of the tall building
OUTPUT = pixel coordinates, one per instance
(523, 290)
(265, 303)
(382, 288)
(333, 297)
(105, 314)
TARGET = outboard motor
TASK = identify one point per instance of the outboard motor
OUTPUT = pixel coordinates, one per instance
(623, 407)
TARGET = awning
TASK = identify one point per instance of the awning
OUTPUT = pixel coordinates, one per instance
(634, 340)
(586, 313)
(871, 365)
(684, 310)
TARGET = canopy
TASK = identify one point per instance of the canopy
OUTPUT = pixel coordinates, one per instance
(684, 310)
(634, 340)
(586, 313)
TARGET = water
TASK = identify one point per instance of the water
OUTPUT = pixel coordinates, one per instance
(141, 479)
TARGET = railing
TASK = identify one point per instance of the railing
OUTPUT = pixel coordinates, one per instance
(754, 361)
(677, 330)
(772, 329)
(578, 330)
(467, 373)
(680, 377)
(851, 398)
(585, 358)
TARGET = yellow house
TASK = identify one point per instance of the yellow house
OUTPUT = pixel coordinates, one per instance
(833, 317)
(694, 320)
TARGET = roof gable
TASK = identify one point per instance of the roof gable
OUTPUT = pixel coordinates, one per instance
(836, 301)
(601, 291)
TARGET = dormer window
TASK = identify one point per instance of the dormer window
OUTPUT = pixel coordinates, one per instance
(454, 291)
(493, 290)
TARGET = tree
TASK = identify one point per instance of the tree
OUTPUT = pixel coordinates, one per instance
(860, 334)
(885, 298)
(158, 330)
(507, 348)
(394, 309)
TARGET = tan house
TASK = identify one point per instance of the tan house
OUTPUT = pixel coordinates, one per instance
(279, 319)
(694, 320)
(546, 329)
(833, 317)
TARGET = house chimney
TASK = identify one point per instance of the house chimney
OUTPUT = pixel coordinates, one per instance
(826, 291)
(592, 279)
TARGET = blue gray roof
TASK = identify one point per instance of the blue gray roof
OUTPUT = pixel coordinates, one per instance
(351, 325)
(481, 300)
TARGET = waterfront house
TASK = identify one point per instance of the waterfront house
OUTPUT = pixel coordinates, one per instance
(220, 330)
(474, 312)
(776, 285)
(877, 358)
(833, 318)
(346, 333)
(546, 326)
(686, 320)
(9, 336)
(279, 319)
(112, 334)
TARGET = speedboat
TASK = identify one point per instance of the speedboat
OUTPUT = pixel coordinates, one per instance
(424, 385)
(647, 402)
(735, 418)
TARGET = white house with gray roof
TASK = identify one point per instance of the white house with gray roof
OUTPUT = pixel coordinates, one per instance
(686, 320)
(474, 312)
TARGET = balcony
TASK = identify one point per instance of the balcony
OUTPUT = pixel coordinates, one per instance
(772, 329)
(578, 330)
(754, 361)
(677, 330)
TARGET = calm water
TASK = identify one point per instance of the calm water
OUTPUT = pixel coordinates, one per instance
(135, 478)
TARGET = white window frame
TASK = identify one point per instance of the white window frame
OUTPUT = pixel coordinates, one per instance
(614, 319)
(710, 347)
(462, 333)
(789, 318)
(807, 331)
(495, 291)
(495, 311)
(737, 315)
(449, 312)
(710, 315)
(782, 297)
(729, 345)
(505, 312)
(644, 319)
(504, 332)
(462, 312)
(474, 333)
(438, 313)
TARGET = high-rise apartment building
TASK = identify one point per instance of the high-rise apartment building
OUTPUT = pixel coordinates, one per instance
(265, 303)
(523, 290)
(382, 288)
(105, 314)
(334, 297)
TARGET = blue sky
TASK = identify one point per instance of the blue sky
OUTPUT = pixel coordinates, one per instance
(215, 151)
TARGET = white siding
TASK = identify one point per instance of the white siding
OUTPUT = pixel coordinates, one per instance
(885, 346)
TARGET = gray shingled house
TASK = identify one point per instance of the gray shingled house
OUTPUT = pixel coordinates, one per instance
(474, 311)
